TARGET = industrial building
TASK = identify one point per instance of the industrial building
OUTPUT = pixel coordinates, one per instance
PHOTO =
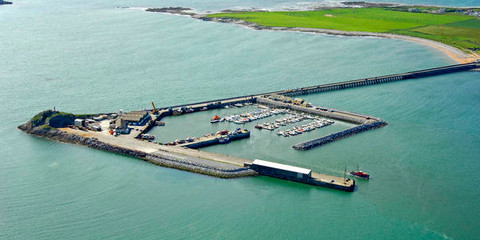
(281, 170)
(136, 118)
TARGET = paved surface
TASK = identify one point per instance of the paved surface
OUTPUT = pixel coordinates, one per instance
(128, 142)
(327, 178)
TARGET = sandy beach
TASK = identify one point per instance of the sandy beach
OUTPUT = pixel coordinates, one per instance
(452, 52)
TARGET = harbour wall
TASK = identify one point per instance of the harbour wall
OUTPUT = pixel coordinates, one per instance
(338, 135)
(155, 158)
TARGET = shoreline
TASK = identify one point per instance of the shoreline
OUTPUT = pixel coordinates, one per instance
(452, 52)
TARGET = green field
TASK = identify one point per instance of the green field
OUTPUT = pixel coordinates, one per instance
(449, 28)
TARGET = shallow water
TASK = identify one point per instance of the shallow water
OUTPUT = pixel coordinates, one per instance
(92, 57)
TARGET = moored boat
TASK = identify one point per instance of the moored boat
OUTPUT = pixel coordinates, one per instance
(215, 119)
(223, 139)
(360, 174)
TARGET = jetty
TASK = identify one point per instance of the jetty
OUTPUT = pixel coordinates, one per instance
(124, 133)
(219, 138)
(301, 175)
(382, 79)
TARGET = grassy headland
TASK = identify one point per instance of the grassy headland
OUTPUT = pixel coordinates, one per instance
(451, 27)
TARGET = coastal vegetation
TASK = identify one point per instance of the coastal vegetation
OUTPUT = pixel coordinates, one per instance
(453, 27)
(51, 118)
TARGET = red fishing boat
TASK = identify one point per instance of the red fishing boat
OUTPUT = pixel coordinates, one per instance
(360, 174)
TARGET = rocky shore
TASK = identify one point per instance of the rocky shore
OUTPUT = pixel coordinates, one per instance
(43, 129)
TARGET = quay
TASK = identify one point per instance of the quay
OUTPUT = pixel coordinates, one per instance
(216, 139)
(301, 175)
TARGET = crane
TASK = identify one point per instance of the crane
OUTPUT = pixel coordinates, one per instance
(155, 110)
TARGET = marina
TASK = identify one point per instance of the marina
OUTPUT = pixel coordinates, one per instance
(317, 124)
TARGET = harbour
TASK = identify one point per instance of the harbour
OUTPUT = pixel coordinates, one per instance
(421, 165)
(117, 128)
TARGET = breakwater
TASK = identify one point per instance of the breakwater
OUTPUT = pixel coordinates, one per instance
(210, 168)
(338, 135)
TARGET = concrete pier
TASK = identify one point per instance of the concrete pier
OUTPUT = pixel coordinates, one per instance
(301, 175)
(214, 139)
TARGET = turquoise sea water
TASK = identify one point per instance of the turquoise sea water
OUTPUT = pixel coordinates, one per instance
(93, 57)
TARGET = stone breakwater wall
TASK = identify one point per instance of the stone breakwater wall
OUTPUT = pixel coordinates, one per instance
(200, 168)
(338, 135)
(157, 159)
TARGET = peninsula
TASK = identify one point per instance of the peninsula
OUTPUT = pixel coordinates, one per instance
(454, 31)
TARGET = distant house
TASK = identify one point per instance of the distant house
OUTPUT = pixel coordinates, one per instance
(77, 122)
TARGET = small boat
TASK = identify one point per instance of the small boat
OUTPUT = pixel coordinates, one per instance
(223, 139)
(180, 141)
(360, 174)
(159, 123)
(215, 119)
(258, 127)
